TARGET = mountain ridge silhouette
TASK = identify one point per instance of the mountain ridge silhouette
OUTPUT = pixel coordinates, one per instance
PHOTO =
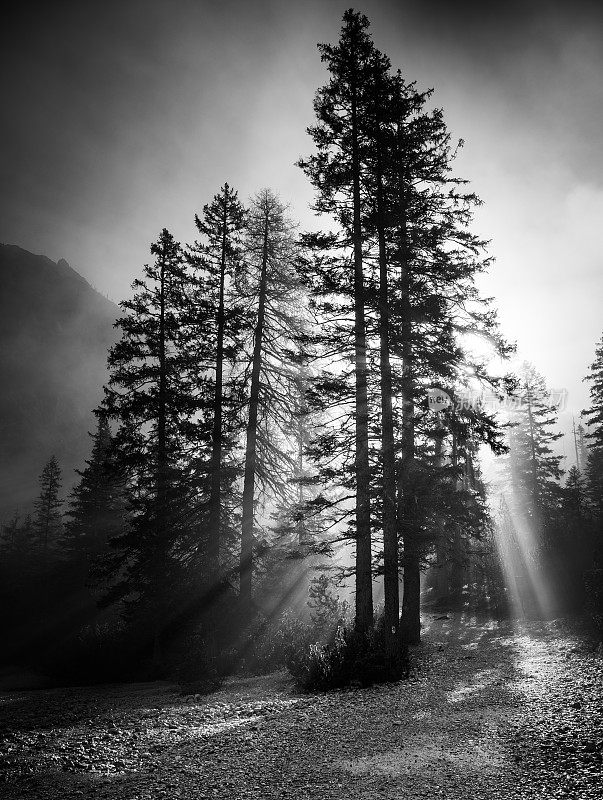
(55, 330)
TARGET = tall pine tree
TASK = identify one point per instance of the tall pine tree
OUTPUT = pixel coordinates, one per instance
(47, 522)
(270, 284)
(383, 171)
(594, 434)
(151, 396)
(222, 325)
(97, 512)
(339, 283)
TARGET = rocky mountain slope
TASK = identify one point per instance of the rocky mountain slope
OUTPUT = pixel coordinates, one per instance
(54, 333)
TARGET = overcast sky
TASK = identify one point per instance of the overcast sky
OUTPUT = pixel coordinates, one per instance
(121, 118)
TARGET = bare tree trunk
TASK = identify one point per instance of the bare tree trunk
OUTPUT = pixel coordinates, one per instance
(391, 576)
(411, 603)
(364, 575)
(247, 538)
(455, 560)
(441, 581)
(302, 532)
(161, 477)
(213, 543)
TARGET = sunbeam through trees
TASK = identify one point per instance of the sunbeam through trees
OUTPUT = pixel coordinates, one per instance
(315, 453)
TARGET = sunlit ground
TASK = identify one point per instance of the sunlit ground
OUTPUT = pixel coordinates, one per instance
(483, 696)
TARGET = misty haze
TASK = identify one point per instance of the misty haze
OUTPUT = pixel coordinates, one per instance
(301, 407)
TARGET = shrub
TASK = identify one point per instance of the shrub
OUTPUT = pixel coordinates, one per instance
(196, 669)
(325, 608)
(268, 644)
(350, 659)
(593, 585)
(96, 653)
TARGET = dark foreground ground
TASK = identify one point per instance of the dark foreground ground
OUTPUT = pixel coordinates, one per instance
(493, 711)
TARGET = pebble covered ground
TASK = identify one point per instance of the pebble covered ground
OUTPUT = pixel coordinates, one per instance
(492, 710)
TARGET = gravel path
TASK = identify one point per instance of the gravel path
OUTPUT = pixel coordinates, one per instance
(493, 711)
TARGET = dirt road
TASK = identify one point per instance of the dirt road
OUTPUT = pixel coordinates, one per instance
(493, 711)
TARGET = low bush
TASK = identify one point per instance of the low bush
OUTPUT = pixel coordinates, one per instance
(268, 644)
(593, 590)
(350, 659)
(96, 653)
(195, 667)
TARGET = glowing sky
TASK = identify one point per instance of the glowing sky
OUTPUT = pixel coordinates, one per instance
(121, 118)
